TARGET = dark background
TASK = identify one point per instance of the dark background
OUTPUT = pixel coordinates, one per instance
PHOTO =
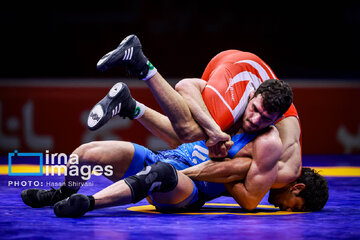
(318, 40)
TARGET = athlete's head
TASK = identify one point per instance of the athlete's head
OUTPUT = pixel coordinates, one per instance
(309, 192)
(269, 102)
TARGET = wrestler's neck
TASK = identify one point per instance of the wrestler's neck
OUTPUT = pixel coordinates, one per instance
(236, 128)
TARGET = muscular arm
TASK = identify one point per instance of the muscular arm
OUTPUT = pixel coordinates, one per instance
(290, 160)
(228, 170)
(190, 90)
(176, 109)
(179, 115)
(262, 172)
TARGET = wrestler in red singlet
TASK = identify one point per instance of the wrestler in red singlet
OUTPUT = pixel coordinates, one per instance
(231, 76)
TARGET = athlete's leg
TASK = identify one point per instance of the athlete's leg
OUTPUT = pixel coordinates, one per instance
(177, 110)
(180, 113)
(116, 155)
(129, 53)
(120, 193)
(180, 193)
(114, 158)
(160, 125)
(162, 180)
(120, 102)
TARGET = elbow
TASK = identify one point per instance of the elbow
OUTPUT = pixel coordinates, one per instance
(248, 203)
(248, 206)
(174, 143)
(187, 138)
(187, 133)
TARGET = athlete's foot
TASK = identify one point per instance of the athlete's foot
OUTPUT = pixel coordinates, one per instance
(128, 53)
(117, 102)
(37, 198)
(74, 206)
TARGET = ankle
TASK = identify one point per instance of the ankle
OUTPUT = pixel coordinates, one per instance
(151, 71)
(139, 110)
(92, 203)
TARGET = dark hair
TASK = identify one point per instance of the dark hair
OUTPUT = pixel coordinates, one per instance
(316, 191)
(277, 96)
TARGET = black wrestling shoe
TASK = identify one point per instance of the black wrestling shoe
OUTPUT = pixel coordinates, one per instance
(74, 206)
(38, 198)
(128, 53)
(117, 102)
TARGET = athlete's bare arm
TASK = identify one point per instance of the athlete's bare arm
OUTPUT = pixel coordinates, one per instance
(182, 111)
(225, 171)
(262, 173)
(289, 164)
(290, 160)
(246, 178)
(176, 109)
(190, 89)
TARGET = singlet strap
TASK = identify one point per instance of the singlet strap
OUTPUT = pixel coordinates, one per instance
(240, 140)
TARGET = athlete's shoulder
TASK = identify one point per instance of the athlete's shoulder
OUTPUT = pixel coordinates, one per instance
(268, 144)
(269, 136)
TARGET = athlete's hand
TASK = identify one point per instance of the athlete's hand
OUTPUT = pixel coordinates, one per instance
(219, 145)
(216, 136)
(220, 150)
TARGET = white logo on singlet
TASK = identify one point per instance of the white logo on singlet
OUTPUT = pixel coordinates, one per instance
(199, 154)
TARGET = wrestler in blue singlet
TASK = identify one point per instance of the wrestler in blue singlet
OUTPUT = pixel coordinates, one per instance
(184, 156)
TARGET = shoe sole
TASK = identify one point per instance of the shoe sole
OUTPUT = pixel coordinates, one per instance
(97, 115)
(111, 58)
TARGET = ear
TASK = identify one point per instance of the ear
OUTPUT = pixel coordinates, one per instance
(251, 95)
(297, 188)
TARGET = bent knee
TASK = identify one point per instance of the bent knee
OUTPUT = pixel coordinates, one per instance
(183, 84)
(88, 152)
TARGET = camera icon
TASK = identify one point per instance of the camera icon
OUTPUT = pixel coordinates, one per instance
(25, 164)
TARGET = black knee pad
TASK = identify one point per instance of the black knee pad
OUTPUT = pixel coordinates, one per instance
(159, 177)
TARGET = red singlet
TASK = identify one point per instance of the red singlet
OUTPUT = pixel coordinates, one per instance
(231, 76)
